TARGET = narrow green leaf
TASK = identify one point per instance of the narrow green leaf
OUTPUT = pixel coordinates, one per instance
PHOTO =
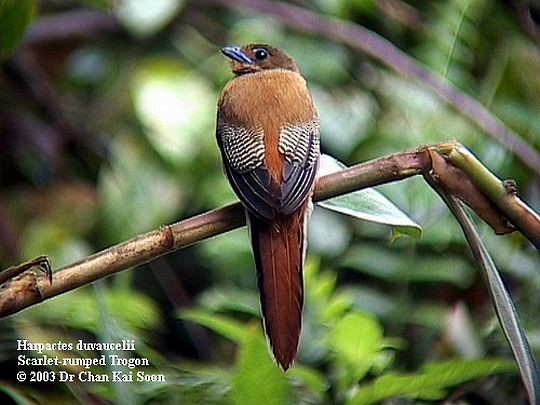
(431, 383)
(502, 301)
(367, 204)
(257, 379)
(222, 325)
(15, 16)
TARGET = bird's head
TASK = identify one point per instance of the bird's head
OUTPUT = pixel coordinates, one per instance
(257, 57)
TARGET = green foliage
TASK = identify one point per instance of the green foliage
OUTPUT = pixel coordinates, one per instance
(357, 347)
(134, 313)
(15, 16)
(122, 141)
(454, 36)
(222, 325)
(257, 379)
(431, 382)
(357, 341)
(124, 188)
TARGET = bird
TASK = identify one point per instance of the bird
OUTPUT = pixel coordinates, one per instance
(267, 130)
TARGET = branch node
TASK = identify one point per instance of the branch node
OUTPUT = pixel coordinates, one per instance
(168, 237)
(510, 186)
(455, 182)
(41, 262)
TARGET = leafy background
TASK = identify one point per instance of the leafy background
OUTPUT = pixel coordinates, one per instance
(107, 114)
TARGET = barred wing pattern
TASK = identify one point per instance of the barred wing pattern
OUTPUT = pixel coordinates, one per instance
(243, 149)
(300, 144)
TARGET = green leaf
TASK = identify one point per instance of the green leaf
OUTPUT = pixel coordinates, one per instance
(336, 306)
(222, 325)
(357, 340)
(323, 286)
(15, 16)
(431, 383)
(257, 379)
(367, 204)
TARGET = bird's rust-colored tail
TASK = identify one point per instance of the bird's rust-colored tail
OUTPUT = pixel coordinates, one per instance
(279, 247)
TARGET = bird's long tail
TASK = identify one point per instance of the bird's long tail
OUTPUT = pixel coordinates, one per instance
(279, 250)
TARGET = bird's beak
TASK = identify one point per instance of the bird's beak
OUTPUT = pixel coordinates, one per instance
(237, 54)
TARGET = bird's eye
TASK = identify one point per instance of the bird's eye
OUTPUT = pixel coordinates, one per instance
(260, 54)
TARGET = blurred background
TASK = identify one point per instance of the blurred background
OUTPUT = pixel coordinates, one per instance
(107, 116)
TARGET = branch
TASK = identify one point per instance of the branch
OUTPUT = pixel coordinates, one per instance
(503, 194)
(28, 289)
(441, 162)
(385, 52)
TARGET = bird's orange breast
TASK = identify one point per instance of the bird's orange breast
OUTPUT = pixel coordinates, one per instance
(268, 100)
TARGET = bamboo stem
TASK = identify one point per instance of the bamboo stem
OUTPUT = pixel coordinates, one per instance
(28, 289)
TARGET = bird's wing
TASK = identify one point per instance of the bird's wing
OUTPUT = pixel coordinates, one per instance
(244, 151)
(243, 156)
(300, 145)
